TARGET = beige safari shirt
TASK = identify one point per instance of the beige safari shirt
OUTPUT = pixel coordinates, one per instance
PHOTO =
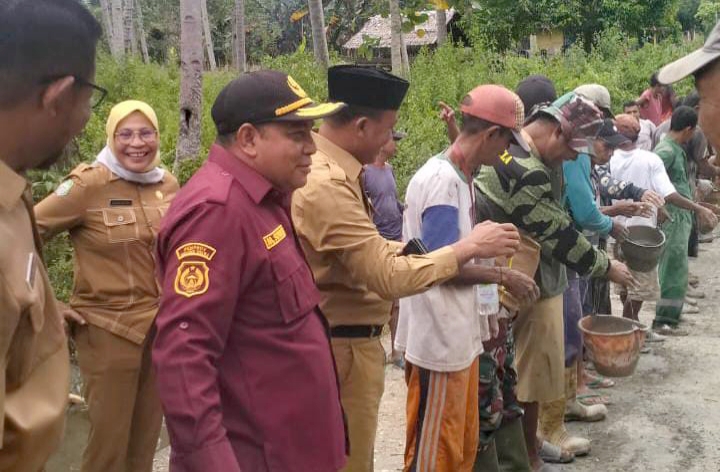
(358, 272)
(113, 224)
(35, 373)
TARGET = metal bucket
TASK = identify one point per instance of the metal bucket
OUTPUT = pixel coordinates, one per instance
(613, 343)
(642, 248)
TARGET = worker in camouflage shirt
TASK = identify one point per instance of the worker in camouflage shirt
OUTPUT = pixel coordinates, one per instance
(526, 189)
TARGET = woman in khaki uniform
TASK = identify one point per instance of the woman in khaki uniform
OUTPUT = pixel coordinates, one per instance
(112, 209)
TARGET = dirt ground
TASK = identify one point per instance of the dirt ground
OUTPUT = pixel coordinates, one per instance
(666, 417)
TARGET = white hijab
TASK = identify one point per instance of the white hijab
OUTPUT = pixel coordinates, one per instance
(108, 159)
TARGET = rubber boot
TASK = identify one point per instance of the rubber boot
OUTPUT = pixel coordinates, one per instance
(486, 459)
(512, 453)
(574, 410)
(551, 427)
(551, 421)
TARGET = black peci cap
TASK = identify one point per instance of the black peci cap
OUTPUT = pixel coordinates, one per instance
(264, 96)
(366, 86)
(536, 90)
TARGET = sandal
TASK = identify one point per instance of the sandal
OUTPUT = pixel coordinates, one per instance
(555, 454)
(591, 398)
(595, 381)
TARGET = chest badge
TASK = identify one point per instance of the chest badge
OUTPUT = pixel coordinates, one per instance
(275, 237)
(193, 273)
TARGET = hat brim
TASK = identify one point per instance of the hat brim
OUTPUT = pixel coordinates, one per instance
(685, 66)
(520, 141)
(616, 140)
(313, 111)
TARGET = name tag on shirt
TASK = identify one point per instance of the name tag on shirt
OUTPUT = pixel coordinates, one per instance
(117, 202)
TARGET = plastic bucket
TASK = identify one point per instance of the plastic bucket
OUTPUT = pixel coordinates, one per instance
(613, 343)
(642, 248)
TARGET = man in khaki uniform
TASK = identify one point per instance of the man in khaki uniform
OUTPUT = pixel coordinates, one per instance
(48, 51)
(359, 272)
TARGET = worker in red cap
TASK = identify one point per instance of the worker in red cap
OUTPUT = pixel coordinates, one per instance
(442, 330)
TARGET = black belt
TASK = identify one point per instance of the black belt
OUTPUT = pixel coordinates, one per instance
(359, 331)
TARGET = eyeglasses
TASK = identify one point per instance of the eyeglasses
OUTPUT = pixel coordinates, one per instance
(98, 95)
(126, 136)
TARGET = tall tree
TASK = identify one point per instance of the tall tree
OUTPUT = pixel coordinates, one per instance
(107, 22)
(441, 25)
(129, 44)
(141, 31)
(317, 21)
(117, 47)
(208, 35)
(396, 38)
(191, 69)
(239, 36)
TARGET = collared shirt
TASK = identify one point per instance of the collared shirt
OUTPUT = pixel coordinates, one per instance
(244, 366)
(357, 271)
(530, 195)
(35, 362)
(112, 224)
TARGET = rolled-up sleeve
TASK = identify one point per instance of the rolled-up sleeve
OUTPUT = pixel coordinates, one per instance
(332, 219)
(201, 289)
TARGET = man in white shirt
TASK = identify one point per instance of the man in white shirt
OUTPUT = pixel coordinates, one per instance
(645, 169)
(646, 138)
(441, 331)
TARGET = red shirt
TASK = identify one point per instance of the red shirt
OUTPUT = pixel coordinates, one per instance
(244, 366)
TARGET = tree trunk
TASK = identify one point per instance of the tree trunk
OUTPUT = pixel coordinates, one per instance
(128, 15)
(441, 24)
(239, 43)
(317, 21)
(396, 38)
(191, 69)
(405, 60)
(141, 32)
(117, 47)
(107, 22)
(208, 35)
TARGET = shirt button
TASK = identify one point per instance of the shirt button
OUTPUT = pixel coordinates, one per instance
(121, 218)
(184, 325)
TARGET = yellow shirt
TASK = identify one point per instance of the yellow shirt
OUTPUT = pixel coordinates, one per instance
(113, 224)
(35, 376)
(358, 272)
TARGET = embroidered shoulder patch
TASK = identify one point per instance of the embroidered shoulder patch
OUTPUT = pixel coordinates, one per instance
(275, 237)
(193, 273)
(64, 188)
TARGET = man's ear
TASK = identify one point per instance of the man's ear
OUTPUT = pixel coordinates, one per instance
(246, 139)
(55, 93)
(361, 125)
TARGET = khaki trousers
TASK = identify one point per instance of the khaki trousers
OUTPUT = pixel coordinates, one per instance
(361, 370)
(124, 409)
(540, 347)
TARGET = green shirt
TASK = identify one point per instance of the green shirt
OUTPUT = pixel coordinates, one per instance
(675, 161)
(529, 195)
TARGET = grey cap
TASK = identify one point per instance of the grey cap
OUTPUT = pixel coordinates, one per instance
(597, 94)
(694, 61)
